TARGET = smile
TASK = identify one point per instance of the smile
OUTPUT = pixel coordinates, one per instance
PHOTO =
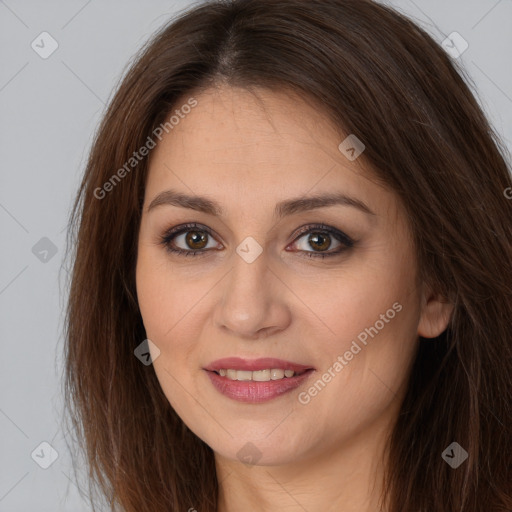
(256, 381)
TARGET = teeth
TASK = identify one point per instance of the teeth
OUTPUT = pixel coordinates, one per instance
(261, 375)
(258, 376)
(276, 374)
(243, 375)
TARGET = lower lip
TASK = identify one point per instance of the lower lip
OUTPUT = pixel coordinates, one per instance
(256, 392)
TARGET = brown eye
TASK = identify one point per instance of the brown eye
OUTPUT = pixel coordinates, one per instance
(319, 239)
(316, 241)
(196, 239)
(187, 240)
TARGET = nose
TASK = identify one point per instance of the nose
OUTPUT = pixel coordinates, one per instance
(254, 300)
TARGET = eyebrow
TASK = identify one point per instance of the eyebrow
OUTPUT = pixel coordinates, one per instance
(282, 209)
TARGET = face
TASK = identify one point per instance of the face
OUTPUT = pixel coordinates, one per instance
(330, 290)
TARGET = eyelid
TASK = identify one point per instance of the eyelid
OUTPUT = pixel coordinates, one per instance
(187, 227)
(336, 233)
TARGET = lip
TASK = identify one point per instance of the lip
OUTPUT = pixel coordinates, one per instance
(255, 391)
(253, 365)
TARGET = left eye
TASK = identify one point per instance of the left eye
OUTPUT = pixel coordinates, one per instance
(321, 238)
(318, 240)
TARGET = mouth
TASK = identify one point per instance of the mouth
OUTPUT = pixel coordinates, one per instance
(257, 380)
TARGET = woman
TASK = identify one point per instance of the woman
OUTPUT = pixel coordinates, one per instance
(292, 279)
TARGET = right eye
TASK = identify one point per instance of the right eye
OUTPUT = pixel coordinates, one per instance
(193, 237)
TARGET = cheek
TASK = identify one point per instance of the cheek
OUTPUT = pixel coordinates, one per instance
(366, 365)
(151, 296)
(174, 311)
(370, 315)
(167, 308)
(164, 297)
(360, 382)
(342, 304)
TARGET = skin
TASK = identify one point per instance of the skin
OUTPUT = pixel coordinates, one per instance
(248, 152)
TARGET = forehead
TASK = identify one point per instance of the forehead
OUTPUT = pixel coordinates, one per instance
(260, 146)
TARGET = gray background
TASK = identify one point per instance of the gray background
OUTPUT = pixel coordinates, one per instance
(49, 111)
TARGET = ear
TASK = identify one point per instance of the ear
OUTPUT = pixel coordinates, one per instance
(435, 314)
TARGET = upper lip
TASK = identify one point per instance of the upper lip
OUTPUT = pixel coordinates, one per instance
(264, 363)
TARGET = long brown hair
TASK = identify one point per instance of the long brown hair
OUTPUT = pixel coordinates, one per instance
(378, 76)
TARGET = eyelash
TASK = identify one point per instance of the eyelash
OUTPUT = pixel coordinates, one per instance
(341, 237)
